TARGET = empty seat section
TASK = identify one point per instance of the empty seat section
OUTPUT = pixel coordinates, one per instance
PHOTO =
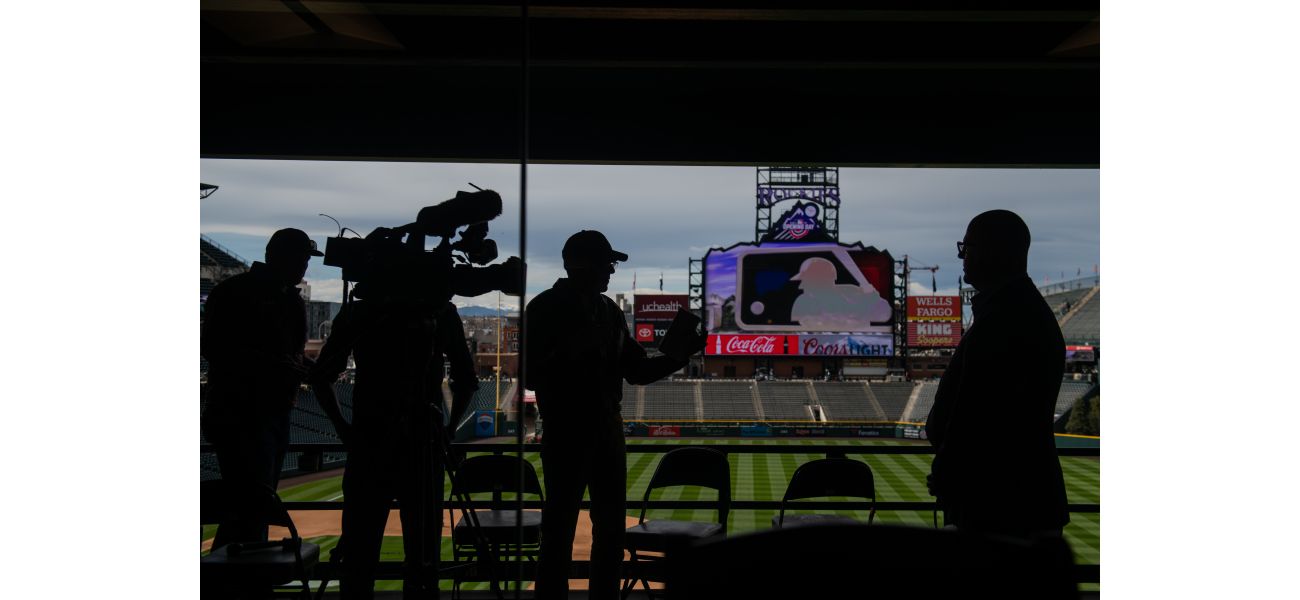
(784, 401)
(1070, 393)
(666, 401)
(728, 401)
(1058, 300)
(924, 402)
(893, 398)
(845, 402)
(1085, 326)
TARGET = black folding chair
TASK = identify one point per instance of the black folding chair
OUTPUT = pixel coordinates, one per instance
(878, 561)
(498, 527)
(703, 467)
(823, 478)
(241, 566)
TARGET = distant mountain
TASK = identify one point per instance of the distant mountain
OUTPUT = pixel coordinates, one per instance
(483, 311)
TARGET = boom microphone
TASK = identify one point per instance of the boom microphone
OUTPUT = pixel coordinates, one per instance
(467, 208)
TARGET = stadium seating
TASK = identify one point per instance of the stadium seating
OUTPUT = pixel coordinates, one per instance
(785, 401)
(670, 401)
(629, 406)
(893, 398)
(1084, 327)
(1070, 393)
(1057, 301)
(846, 402)
(924, 402)
(728, 401)
(221, 257)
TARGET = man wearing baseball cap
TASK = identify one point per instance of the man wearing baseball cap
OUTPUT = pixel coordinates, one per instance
(579, 352)
(253, 333)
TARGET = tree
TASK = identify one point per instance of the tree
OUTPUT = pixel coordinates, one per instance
(1085, 416)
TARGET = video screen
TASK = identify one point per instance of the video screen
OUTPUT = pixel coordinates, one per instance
(799, 288)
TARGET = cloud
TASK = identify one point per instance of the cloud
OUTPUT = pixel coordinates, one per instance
(661, 216)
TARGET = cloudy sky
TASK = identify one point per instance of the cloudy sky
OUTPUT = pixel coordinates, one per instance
(659, 215)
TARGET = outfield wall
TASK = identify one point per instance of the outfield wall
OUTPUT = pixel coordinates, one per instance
(775, 429)
(910, 431)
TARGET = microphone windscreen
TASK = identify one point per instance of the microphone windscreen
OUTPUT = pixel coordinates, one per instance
(466, 208)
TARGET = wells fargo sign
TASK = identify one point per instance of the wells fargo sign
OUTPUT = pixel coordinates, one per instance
(934, 308)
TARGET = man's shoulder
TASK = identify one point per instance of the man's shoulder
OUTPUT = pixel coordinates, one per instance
(238, 285)
(548, 299)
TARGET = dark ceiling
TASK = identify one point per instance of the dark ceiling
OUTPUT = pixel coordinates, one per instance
(898, 83)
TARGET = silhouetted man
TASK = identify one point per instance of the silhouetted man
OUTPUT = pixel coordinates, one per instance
(254, 331)
(579, 351)
(398, 342)
(996, 469)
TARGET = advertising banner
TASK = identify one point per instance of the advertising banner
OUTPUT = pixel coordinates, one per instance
(795, 288)
(645, 332)
(754, 345)
(484, 424)
(665, 431)
(661, 307)
(755, 431)
(841, 345)
(934, 308)
(935, 334)
(1080, 354)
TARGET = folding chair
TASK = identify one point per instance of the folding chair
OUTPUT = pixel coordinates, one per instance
(703, 467)
(498, 527)
(249, 565)
(827, 477)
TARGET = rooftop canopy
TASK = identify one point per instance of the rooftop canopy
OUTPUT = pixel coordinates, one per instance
(901, 83)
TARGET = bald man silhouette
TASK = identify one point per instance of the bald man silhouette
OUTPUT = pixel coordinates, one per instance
(995, 468)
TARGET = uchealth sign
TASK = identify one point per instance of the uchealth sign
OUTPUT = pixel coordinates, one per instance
(842, 345)
(936, 334)
(934, 308)
(660, 306)
(753, 345)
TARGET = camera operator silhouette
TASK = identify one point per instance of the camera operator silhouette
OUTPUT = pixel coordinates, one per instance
(398, 341)
(397, 331)
(995, 468)
(825, 305)
(253, 334)
(579, 352)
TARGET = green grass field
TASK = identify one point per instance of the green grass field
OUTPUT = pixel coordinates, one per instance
(764, 477)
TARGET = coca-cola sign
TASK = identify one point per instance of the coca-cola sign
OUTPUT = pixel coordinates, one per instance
(842, 345)
(745, 344)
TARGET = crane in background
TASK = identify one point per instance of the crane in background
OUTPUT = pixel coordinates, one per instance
(934, 282)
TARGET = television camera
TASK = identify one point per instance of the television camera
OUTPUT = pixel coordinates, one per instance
(392, 262)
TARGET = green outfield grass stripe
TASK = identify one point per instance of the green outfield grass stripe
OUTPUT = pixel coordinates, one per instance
(765, 476)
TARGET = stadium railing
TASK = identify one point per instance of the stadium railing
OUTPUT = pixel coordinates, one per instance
(393, 569)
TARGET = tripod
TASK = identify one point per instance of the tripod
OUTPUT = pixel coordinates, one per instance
(414, 436)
